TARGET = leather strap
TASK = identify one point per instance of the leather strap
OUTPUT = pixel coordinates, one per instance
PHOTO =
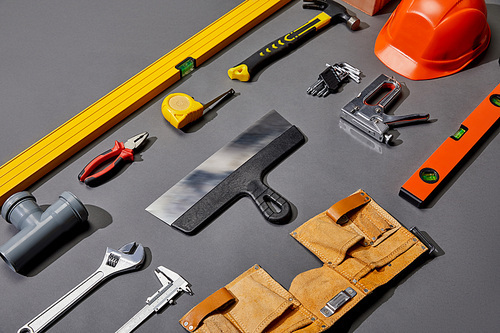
(217, 300)
(346, 205)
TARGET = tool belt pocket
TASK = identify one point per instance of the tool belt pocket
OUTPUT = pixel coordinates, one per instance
(361, 246)
(256, 303)
(357, 238)
(351, 222)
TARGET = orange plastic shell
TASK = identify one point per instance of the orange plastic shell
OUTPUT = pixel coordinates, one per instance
(425, 39)
(453, 151)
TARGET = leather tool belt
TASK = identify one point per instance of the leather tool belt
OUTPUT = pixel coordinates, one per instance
(361, 246)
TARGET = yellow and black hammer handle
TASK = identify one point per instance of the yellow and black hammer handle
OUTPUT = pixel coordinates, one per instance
(332, 13)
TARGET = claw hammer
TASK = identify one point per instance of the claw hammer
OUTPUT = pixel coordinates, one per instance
(332, 12)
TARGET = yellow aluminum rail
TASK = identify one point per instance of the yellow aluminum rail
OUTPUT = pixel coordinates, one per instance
(53, 149)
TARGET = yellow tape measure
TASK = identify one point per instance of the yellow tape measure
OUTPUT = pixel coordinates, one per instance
(53, 149)
(180, 109)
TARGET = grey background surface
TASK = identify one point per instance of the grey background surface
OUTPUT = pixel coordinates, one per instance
(58, 57)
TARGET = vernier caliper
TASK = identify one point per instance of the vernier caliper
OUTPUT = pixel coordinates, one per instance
(172, 285)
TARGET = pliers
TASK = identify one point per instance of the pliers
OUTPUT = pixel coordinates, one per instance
(124, 151)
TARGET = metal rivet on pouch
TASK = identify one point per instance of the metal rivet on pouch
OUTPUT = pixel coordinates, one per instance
(256, 267)
(374, 238)
(366, 290)
(186, 323)
(382, 229)
(329, 263)
(294, 233)
(323, 326)
(389, 265)
(414, 239)
(423, 247)
(354, 281)
(313, 319)
(371, 243)
(390, 225)
(191, 328)
(290, 299)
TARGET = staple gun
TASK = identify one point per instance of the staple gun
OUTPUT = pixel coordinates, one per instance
(370, 117)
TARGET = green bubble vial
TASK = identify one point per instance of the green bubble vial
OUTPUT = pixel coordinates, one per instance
(186, 66)
(458, 134)
(429, 175)
(495, 100)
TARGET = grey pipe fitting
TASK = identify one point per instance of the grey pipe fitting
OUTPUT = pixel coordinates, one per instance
(37, 228)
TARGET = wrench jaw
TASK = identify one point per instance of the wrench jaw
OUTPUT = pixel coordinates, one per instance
(129, 257)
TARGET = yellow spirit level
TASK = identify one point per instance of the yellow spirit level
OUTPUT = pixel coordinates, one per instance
(50, 151)
(426, 181)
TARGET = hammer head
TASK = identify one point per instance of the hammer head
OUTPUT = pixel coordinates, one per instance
(336, 11)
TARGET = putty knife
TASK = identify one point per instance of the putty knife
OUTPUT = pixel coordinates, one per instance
(236, 170)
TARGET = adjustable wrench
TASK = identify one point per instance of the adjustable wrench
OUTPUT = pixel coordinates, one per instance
(129, 257)
(172, 285)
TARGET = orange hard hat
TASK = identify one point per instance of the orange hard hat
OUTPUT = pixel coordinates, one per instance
(426, 39)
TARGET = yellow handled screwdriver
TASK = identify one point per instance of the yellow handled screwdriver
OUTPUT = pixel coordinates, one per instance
(180, 109)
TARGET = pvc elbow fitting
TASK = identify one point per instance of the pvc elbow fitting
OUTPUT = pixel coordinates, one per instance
(37, 228)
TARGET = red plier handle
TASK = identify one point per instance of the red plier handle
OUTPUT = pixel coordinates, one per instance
(124, 155)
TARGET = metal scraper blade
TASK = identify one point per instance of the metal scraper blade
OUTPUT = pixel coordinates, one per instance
(219, 171)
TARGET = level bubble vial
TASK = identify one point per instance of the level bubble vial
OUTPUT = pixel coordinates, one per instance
(495, 100)
(429, 175)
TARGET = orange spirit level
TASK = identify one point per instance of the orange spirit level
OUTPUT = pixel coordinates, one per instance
(425, 182)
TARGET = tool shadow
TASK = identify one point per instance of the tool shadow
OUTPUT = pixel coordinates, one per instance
(245, 194)
(365, 308)
(137, 158)
(98, 219)
(493, 50)
(374, 145)
(460, 168)
(207, 117)
(302, 43)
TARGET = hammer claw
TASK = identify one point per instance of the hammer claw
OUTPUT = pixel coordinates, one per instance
(336, 11)
(312, 6)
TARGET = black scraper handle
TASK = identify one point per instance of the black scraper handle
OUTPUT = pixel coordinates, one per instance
(246, 181)
(275, 208)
